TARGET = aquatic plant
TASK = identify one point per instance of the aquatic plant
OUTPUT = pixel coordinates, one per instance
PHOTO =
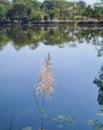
(11, 122)
(95, 124)
(62, 121)
(27, 128)
(44, 86)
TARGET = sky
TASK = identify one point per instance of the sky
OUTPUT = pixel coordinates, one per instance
(87, 1)
(90, 1)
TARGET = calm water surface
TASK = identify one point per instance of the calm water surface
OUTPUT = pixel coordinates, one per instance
(75, 65)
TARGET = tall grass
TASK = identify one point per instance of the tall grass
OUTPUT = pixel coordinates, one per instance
(44, 86)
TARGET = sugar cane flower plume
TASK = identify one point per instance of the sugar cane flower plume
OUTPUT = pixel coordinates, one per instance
(46, 78)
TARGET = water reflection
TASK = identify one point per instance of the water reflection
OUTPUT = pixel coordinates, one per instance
(74, 75)
(61, 36)
(95, 123)
(99, 82)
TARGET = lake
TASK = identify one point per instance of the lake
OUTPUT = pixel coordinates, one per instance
(77, 57)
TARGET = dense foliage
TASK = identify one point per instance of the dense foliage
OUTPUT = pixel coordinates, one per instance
(26, 11)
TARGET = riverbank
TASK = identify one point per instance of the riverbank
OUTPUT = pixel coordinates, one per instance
(52, 22)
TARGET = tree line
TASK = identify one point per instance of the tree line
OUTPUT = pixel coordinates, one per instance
(34, 11)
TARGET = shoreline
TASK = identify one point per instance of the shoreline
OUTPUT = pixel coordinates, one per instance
(47, 23)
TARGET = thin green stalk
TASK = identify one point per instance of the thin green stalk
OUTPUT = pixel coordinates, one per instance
(43, 101)
(42, 112)
(37, 104)
(10, 128)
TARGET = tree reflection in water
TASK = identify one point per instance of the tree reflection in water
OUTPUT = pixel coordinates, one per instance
(61, 36)
(95, 123)
(99, 82)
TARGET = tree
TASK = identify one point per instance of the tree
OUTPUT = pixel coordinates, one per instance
(88, 11)
(80, 9)
(98, 9)
(3, 10)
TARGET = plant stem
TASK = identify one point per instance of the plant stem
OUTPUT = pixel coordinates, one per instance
(42, 112)
(10, 128)
(37, 104)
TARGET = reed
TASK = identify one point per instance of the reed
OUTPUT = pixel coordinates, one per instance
(11, 122)
(44, 86)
